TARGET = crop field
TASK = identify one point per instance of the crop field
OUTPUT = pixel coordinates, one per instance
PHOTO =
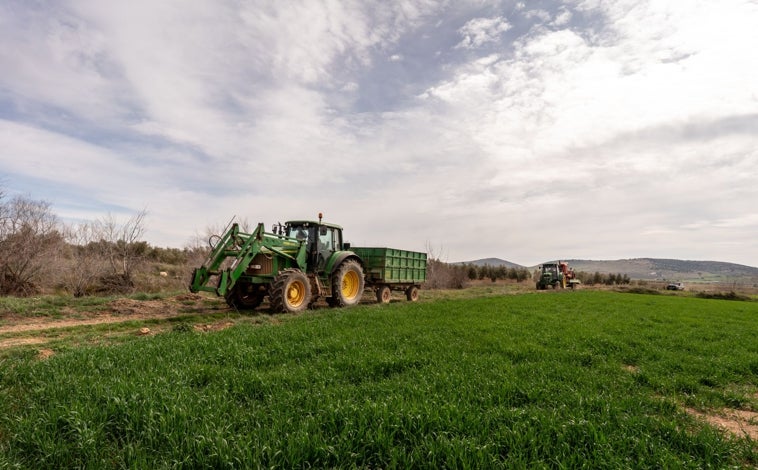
(586, 379)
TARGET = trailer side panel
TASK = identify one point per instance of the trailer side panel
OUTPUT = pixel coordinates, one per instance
(392, 266)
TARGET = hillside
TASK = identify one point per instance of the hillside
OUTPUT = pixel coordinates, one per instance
(670, 269)
(493, 262)
(652, 269)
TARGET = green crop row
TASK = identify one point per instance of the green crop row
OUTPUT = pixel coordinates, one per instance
(557, 380)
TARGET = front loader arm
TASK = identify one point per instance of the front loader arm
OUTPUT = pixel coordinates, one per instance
(220, 252)
(240, 249)
(250, 247)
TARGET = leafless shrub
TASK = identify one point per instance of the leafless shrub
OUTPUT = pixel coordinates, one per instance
(29, 239)
(442, 275)
(81, 265)
(121, 244)
(103, 256)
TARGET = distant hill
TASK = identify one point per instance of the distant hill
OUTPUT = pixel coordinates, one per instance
(669, 269)
(496, 262)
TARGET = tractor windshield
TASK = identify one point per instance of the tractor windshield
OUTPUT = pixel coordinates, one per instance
(301, 232)
(550, 268)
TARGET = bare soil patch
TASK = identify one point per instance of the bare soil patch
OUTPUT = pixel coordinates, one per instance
(45, 353)
(8, 343)
(741, 423)
(214, 326)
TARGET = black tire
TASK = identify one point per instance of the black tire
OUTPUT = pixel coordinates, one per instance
(347, 285)
(245, 296)
(411, 294)
(290, 292)
(383, 295)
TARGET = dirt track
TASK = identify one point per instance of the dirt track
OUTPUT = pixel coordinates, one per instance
(117, 311)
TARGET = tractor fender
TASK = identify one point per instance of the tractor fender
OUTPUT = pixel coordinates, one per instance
(337, 259)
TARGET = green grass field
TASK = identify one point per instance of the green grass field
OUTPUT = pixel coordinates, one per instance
(552, 380)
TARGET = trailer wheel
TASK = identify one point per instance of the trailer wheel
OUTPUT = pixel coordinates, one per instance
(290, 291)
(383, 295)
(347, 284)
(412, 293)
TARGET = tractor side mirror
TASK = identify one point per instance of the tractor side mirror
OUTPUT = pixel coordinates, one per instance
(346, 246)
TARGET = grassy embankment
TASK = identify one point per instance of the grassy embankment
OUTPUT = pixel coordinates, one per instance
(593, 379)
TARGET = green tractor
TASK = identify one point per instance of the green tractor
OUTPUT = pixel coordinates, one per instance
(295, 265)
(556, 275)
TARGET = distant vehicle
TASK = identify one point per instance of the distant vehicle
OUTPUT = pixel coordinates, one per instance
(675, 286)
(557, 275)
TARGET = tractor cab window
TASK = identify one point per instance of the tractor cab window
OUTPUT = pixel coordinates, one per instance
(551, 268)
(301, 232)
(326, 239)
(329, 241)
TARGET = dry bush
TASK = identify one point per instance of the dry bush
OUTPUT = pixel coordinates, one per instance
(102, 257)
(29, 240)
(440, 275)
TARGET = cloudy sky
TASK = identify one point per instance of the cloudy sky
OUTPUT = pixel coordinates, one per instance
(525, 130)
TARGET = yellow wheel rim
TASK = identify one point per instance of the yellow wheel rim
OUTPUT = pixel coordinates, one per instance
(350, 285)
(296, 294)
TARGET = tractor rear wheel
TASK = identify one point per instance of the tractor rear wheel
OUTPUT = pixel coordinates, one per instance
(347, 285)
(383, 295)
(290, 291)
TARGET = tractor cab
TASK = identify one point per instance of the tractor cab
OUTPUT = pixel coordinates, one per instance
(321, 239)
(551, 269)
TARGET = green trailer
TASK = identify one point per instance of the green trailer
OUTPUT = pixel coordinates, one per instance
(388, 269)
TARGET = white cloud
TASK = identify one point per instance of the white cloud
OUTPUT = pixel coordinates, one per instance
(480, 31)
(563, 18)
(626, 130)
(568, 117)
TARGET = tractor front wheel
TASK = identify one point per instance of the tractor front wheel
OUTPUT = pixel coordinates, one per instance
(347, 284)
(290, 291)
(245, 296)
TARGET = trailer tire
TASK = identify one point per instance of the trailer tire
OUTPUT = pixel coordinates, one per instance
(290, 291)
(411, 294)
(347, 284)
(383, 294)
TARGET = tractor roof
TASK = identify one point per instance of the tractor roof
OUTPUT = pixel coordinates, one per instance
(312, 222)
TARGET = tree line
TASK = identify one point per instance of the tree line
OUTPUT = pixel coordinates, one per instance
(455, 276)
(598, 278)
(39, 253)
